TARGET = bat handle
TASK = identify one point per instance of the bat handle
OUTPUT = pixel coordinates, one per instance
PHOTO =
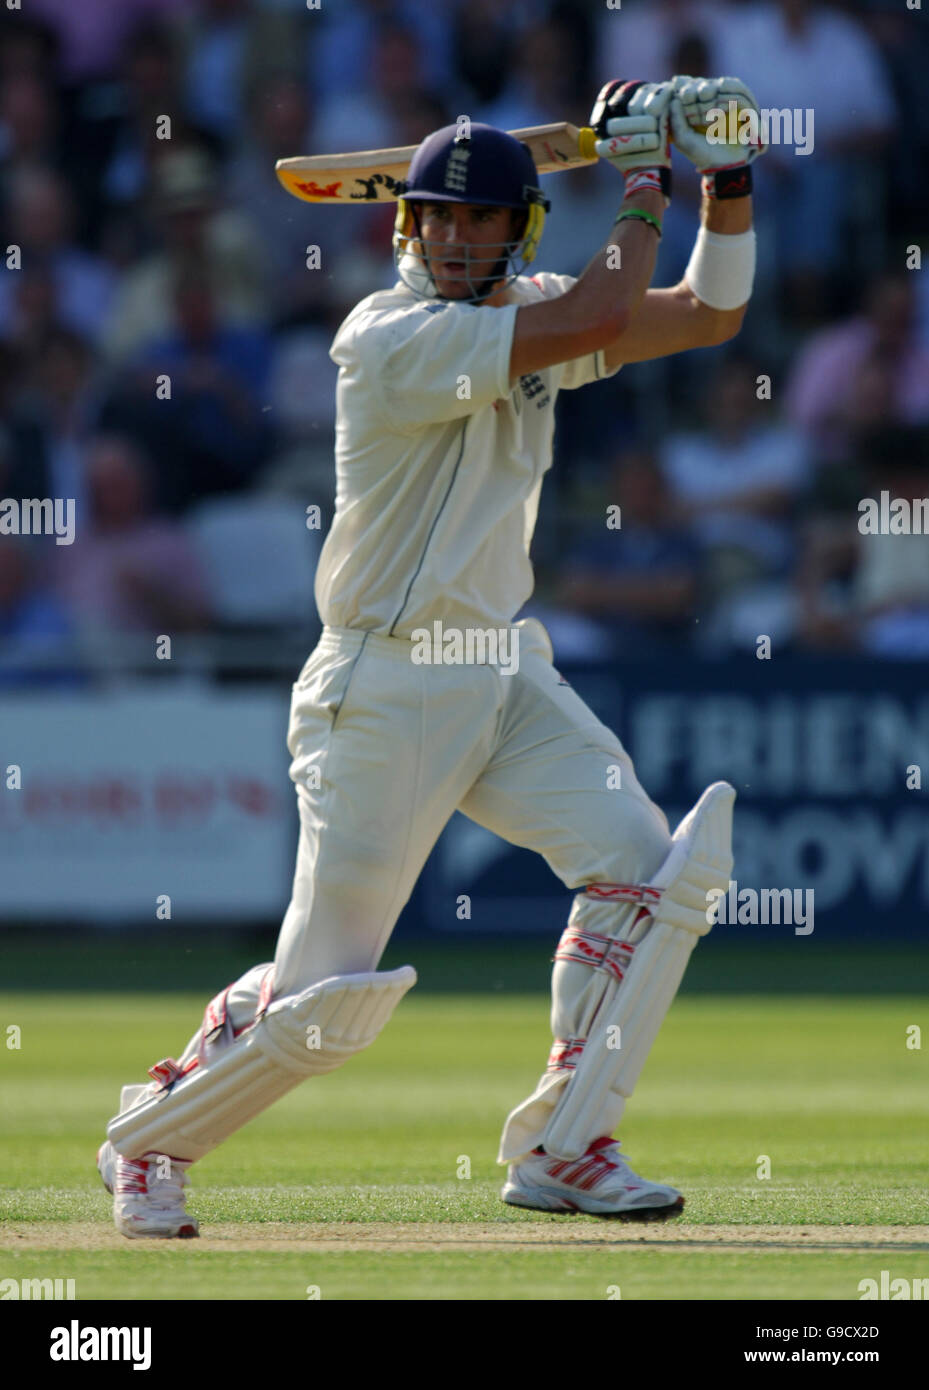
(586, 142)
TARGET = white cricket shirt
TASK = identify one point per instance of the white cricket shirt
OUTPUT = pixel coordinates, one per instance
(439, 464)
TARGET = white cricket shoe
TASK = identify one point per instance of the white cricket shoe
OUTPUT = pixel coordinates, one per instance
(600, 1182)
(147, 1200)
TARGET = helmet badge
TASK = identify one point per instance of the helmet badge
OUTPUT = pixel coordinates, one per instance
(456, 169)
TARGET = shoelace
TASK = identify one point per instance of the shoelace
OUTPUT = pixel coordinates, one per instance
(619, 1161)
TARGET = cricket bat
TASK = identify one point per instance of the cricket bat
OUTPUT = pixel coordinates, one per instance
(374, 176)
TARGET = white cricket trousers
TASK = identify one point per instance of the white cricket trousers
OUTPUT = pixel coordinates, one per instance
(384, 751)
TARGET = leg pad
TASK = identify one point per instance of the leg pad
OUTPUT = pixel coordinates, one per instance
(301, 1035)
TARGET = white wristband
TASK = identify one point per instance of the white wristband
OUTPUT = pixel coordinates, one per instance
(721, 270)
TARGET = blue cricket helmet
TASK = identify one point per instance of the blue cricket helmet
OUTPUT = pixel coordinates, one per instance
(475, 163)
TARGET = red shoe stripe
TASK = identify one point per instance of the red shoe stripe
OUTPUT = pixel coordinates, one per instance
(597, 1176)
(579, 1170)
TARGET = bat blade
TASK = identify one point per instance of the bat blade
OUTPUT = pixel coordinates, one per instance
(374, 176)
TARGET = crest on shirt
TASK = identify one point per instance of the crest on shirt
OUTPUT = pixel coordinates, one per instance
(533, 388)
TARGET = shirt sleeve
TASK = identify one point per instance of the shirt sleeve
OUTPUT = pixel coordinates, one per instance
(579, 371)
(430, 363)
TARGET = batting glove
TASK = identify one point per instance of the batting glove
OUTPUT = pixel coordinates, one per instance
(709, 128)
(632, 122)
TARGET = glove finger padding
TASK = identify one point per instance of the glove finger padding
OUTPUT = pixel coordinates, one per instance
(716, 146)
(631, 122)
(715, 131)
(629, 136)
(651, 99)
(700, 96)
(692, 143)
(612, 100)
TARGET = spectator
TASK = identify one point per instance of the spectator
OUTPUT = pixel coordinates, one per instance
(51, 420)
(823, 394)
(544, 78)
(639, 580)
(280, 125)
(151, 89)
(419, 112)
(736, 479)
(34, 311)
(869, 590)
(41, 218)
(30, 46)
(639, 39)
(484, 43)
(218, 49)
(344, 42)
(365, 114)
(800, 56)
(210, 434)
(196, 229)
(301, 393)
(902, 34)
(131, 571)
(802, 53)
(33, 622)
(207, 350)
(29, 122)
(839, 483)
(232, 47)
(198, 249)
(91, 34)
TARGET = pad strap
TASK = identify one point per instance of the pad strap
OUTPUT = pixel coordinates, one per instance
(606, 1016)
(623, 892)
(301, 1035)
(565, 1054)
(599, 952)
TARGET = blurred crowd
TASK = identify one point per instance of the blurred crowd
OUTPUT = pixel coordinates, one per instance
(164, 332)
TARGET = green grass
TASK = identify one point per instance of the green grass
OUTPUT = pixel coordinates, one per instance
(823, 1085)
(179, 960)
(186, 1271)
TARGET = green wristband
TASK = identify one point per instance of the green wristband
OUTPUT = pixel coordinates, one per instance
(642, 216)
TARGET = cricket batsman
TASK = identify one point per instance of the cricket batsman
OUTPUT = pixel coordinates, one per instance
(445, 400)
